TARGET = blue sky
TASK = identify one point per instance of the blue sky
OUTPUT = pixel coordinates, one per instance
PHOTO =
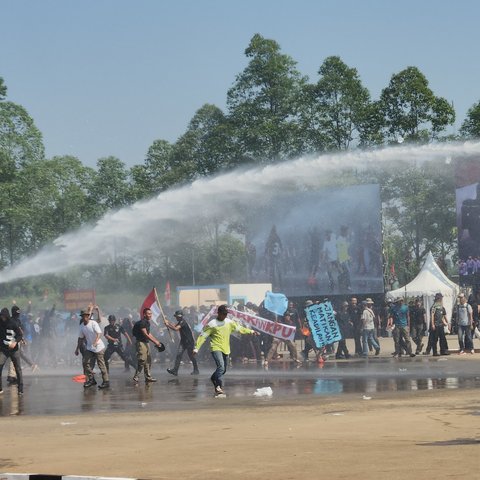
(108, 77)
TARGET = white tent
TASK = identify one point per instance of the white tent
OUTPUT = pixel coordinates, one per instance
(429, 281)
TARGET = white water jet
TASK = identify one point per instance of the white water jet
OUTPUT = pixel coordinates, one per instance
(147, 224)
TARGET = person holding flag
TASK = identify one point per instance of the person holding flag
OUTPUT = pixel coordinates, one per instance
(141, 331)
(219, 330)
(153, 304)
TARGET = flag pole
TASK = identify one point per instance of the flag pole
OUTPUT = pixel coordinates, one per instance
(163, 315)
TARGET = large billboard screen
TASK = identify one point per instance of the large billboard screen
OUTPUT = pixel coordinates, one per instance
(324, 242)
(467, 179)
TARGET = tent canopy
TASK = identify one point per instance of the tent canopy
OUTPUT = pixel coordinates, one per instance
(429, 281)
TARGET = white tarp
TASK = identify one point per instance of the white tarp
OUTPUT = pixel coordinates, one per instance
(429, 281)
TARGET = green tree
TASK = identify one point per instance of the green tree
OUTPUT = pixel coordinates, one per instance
(153, 176)
(60, 201)
(471, 125)
(419, 214)
(3, 89)
(111, 184)
(411, 110)
(205, 147)
(19, 137)
(202, 150)
(158, 165)
(263, 104)
(21, 147)
(339, 106)
(140, 186)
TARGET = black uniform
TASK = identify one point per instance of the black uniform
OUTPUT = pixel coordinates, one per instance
(355, 313)
(417, 326)
(115, 346)
(187, 344)
(343, 319)
(10, 331)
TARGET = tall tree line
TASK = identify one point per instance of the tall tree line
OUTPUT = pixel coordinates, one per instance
(273, 113)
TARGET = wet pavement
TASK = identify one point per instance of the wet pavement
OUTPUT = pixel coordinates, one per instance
(55, 393)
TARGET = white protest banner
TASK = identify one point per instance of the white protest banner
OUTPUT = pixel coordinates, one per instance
(322, 322)
(275, 329)
(205, 319)
(278, 330)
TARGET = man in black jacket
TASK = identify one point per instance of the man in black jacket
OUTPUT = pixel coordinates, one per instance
(12, 376)
(187, 343)
(113, 333)
(10, 337)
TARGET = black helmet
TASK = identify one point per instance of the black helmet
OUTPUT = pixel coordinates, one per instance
(178, 314)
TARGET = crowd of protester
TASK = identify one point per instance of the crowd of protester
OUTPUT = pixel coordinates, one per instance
(46, 337)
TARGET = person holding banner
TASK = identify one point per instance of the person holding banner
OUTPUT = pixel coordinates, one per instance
(307, 334)
(343, 320)
(290, 345)
(219, 331)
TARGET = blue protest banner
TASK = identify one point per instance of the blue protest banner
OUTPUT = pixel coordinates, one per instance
(276, 303)
(322, 322)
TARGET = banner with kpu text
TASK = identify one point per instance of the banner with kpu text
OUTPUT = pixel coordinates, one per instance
(322, 322)
(275, 329)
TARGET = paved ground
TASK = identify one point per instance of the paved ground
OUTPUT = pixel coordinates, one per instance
(54, 392)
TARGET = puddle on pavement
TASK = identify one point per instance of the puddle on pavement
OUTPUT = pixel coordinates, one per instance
(50, 394)
(450, 443)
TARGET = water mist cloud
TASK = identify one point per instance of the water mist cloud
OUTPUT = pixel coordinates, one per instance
(147, 224)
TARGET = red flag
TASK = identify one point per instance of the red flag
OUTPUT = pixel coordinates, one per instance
(151, 303)
(167, 294)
